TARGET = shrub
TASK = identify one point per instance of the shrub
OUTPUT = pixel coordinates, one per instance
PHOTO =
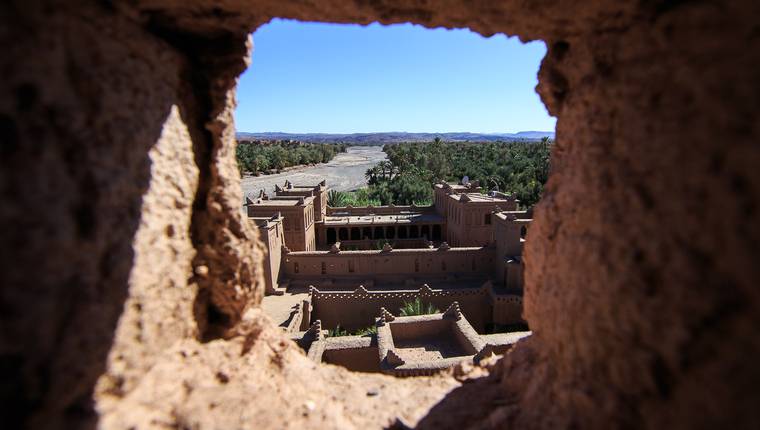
(366, 331)
(337, 332)
(416, 307)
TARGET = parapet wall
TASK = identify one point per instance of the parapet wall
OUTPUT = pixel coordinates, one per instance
(372, 244)
(359, 308)
(377, 210)
(406, 262)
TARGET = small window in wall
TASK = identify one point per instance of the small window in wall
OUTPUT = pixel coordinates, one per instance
(472, 266)
(488, 219)
(443, 266)
(351, 266)
(324, 268)
(416, 264)
(295, 267)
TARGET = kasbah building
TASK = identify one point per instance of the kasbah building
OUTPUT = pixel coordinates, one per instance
(337, 277)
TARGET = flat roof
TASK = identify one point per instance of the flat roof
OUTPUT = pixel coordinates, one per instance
(412, 218)
(262, 218)
(290, 194)
(264, 221)
(276, 203)
(479, 198)
(453, 186)
(521, 217)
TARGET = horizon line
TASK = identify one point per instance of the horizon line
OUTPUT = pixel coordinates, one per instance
(410, 132)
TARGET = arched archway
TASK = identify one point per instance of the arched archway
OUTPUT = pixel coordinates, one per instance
(331, 236)
(414, 232)
(402, 232)
(437, 232)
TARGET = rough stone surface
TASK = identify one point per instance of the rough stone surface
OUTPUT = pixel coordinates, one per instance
(123, 245)
(258, 379)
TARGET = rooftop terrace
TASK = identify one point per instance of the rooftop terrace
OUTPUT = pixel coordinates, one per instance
(480, 198)
(401, 218)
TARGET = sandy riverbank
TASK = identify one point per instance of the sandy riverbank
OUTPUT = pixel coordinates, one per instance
(345, 172)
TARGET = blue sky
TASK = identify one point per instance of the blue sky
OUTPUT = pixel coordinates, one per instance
(335, 78)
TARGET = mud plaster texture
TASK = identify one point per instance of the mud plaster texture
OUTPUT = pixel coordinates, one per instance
(130, 281)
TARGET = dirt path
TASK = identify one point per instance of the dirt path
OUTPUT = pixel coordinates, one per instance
(279, 308)
(345, 172)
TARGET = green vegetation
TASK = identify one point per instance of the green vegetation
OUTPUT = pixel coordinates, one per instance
(360, 197)
(520, 167)
(257, 157)
(505, 328)
(380, 244)
(366, 331)
(416, 307)
(336, 199)
(338, 331)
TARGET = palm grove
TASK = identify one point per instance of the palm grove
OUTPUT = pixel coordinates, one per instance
(520, 168)
(257, 157)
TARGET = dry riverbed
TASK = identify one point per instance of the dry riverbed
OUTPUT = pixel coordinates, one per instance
(345, 172)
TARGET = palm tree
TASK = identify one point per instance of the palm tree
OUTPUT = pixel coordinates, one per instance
(336, 199)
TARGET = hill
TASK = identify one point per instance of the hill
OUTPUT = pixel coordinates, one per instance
(395, 137)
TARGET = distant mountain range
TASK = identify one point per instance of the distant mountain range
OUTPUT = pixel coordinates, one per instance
(394, 137)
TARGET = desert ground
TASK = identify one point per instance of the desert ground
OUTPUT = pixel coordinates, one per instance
(345, 172)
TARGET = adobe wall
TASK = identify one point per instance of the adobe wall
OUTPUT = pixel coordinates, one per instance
(128, 253)
(356, 359)
(470, 223)
(508, 270)
(372, 244)
(358, 309)
(320, 203)
(406, 262)
(421, 328)
(122, 229)
(298, 224)
(272, 237)
(377, 210)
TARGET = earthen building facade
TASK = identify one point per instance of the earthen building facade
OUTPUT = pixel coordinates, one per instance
(373, 258)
